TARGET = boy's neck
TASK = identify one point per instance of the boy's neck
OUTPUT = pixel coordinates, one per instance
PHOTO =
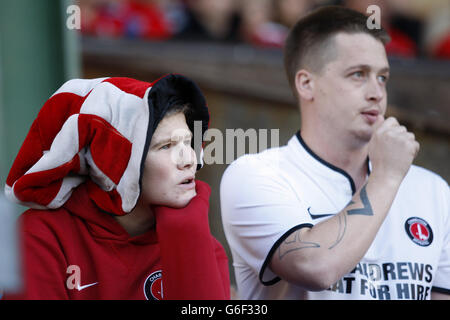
(138, 221)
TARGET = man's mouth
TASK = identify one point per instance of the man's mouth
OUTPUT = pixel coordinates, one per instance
(371, 116)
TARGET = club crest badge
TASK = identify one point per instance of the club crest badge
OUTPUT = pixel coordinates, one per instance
(153, 287)
(419, 231)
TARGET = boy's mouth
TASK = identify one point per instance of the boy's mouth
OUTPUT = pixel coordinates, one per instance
(188, 183)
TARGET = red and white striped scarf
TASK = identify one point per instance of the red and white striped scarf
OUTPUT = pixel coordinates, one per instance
(95, 132)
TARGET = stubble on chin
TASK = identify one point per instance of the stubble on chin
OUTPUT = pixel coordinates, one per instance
(362, 137)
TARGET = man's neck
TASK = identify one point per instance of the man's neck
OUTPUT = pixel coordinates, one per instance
(340, 153)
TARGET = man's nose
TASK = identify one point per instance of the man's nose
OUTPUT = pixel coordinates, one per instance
(375, 91)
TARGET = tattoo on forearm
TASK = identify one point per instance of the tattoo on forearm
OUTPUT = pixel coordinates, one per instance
(341, 231)
(294, 243)
(367, 209)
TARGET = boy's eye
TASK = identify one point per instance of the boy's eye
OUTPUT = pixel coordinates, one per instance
(166, 146)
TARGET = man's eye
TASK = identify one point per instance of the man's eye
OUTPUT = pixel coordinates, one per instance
(358, 74)
(383, 79)
(187, 142)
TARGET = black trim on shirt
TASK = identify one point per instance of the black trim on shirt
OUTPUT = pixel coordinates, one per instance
(440, 290)
(326, 163)
(275, 247)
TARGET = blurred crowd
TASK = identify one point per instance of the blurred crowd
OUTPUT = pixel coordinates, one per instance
(418, 28)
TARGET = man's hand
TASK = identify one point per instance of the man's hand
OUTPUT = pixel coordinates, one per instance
(392, 150)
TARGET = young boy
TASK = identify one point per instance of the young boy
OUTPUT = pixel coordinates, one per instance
(108, 168)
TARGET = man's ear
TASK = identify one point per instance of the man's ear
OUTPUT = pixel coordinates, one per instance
(304, 85)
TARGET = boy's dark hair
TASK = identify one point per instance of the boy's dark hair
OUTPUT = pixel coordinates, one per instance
(185, 108)
(308, 42)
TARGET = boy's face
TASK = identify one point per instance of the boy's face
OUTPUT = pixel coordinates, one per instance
(350, 92)
(170, 166)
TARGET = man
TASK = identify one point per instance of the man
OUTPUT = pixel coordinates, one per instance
(316, 219)
(108, 169)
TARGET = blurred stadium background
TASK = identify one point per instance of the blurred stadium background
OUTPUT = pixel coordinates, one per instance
(231, 48)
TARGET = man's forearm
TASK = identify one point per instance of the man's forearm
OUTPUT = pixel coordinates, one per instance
(333, 247)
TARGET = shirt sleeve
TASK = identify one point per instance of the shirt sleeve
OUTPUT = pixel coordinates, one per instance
(441, 282)
(222, 263)
(194, 264)
(259, 210)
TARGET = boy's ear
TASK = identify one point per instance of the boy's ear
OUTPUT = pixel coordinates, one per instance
(304, 85)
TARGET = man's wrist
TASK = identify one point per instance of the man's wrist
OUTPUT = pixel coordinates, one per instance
(386, 180)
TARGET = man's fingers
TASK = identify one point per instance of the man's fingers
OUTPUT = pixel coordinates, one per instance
(391, 122)
(411, 135)
(379, 122)
(417, 145)
(387, 124)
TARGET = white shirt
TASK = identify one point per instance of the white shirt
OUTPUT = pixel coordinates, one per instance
(267, 196)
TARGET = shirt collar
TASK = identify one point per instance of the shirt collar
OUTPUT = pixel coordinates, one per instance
(322, 165)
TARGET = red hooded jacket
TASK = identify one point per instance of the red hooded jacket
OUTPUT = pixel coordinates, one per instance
(81, 252)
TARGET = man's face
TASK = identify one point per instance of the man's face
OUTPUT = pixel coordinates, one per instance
(170, 166)
(350, 91)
